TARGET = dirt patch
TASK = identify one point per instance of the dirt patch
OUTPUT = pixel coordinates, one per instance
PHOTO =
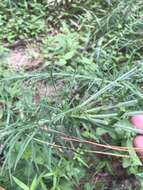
(27, 56)
(45, 90)
(104, 180)
(24, 57)
(1, 188)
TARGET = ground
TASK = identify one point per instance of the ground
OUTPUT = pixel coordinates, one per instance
(71, 79)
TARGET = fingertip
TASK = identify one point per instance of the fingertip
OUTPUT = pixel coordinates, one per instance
(137, 121)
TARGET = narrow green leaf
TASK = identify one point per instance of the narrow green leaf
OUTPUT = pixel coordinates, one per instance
(135, 160)
(34, 184)
(23, 148)
(69, 55)
(20, 184)
(43, 185)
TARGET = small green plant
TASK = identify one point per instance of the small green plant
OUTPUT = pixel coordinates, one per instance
(33, 186)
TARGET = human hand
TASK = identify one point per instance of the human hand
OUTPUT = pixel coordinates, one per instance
(137, 121)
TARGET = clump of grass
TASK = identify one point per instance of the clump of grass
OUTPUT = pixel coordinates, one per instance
(95, 56)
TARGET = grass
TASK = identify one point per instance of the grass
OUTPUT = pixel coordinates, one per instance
(93, 51)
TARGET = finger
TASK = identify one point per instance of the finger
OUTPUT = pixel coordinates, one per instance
(137, 121)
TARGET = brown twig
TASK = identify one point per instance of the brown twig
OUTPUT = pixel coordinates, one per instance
(75, 139)
(53, 145)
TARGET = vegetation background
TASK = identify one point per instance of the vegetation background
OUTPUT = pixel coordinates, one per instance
(76, 135)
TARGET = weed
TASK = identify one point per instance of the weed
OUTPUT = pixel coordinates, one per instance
(92, 58)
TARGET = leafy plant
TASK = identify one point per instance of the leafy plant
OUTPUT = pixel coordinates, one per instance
(92, 58)
(33, 186)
